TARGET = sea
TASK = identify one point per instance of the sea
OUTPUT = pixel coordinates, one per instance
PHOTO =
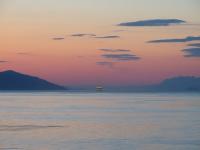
(99, 121)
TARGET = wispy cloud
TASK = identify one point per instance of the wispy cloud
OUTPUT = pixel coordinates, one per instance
(94, 36)
(114, 56)
(121, 57)
(108, 37)
(153, 22)
(194, 44)
(83, 35)
(3, 61)
(114, 50)
(58, 38)
(181, 40)
(105, 63)
(192, 52)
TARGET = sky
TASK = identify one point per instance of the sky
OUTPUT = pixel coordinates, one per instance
(92, 42)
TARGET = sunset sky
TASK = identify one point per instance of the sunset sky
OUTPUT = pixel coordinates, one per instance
(91, 42)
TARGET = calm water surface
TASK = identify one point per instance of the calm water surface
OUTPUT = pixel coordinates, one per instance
(99, 121)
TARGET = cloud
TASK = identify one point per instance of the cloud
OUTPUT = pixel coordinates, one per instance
(113, 57)
(105, 63)
(194, 44)
(24, 53)
(153, 22)
(114, 50)
(3, 61)
(58, 38)
(192, 52)
(108, 37)
(82, 35)
(94, 36)
(121, 57)
(187, 39)
(117, 55)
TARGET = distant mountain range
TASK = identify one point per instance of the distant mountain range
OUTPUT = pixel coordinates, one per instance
(175, 84)
(11, 80)
(179, 84)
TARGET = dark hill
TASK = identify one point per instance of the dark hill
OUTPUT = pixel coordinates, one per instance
(11, 80)
(175, 84)
(180, 84)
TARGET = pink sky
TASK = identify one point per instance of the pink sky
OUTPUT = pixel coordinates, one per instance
(28, 29)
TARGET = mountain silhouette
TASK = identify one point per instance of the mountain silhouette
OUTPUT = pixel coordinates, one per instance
(174, 84)
(11, 80)
(184, 83)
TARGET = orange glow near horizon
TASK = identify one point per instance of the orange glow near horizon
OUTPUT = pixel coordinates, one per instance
(27, 45)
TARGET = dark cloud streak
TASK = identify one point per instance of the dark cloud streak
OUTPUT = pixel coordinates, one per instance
(94, 36)
(121, 57)
(58, 38)
(114, 50)
(108, 37)
(3, 61)
(194, 44)
(183, 40)
(83, 35)
(192, 52)
(153, 22)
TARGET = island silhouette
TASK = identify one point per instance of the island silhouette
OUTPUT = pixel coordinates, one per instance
(12, 80)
